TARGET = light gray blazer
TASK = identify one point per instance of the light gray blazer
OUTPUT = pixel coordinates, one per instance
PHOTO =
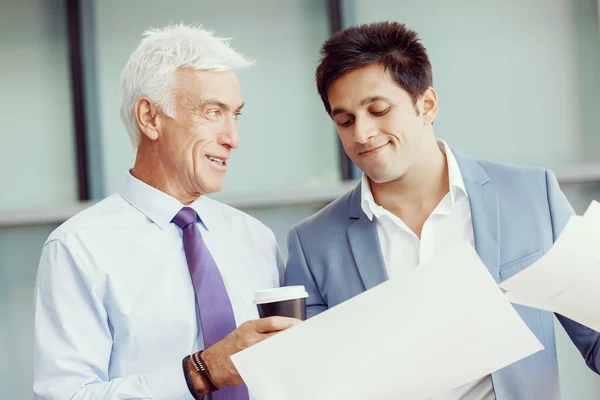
(517, 214)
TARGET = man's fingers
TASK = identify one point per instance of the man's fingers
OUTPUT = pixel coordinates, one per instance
(268, 335)
(275, 324)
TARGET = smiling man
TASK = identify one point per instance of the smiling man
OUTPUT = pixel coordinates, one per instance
(418, 197)
(130, 291)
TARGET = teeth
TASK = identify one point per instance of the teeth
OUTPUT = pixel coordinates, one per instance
(217, 160)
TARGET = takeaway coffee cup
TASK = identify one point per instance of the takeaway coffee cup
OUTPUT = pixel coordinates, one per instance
(286, 301)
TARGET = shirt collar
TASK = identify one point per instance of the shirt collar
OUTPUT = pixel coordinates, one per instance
(372, 209)
(367, 202)
(158, 206)
(455, 178)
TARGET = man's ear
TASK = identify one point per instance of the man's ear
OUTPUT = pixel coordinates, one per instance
(429, 103)
(147, 117)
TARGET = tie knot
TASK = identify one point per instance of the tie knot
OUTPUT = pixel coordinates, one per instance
(184, 217)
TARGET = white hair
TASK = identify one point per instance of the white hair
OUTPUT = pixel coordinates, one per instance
(151, 68)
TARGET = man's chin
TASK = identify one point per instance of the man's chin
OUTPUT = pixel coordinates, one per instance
(381, 179)
(210, 187)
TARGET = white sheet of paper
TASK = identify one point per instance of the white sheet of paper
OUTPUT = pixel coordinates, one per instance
(441, 326)
(567, 279)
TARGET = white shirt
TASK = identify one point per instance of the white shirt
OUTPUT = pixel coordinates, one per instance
(115, 309)
(449, 224)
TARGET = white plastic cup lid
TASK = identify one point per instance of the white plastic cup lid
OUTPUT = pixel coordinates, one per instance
(280, 294)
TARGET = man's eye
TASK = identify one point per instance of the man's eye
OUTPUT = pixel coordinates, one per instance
(380, 112)
(237, 115)
(214, 113)
(345, 123)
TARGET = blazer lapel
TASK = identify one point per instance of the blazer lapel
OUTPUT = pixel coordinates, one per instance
(483, 199)
(485, 213)
(364, 243)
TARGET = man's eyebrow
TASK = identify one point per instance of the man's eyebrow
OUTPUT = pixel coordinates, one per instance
(372, 99)
(338, 111)
(216, 103)
(363, 102)
(212, 102)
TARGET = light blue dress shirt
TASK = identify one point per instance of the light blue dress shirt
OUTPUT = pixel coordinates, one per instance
(115, 309)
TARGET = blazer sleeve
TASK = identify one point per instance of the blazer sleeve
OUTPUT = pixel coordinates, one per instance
(298, 273)
(585, 339)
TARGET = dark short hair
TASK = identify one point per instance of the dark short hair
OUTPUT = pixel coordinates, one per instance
(390, 44)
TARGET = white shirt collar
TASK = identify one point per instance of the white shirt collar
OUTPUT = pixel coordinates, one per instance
(457, 185)
(454, 175)
(158, 206)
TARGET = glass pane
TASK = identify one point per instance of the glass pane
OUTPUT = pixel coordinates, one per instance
(580, 195)
(37, 161)
(517, 81)
(281, 219)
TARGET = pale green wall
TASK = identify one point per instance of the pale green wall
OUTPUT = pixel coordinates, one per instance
(37, 164)
(517, 80)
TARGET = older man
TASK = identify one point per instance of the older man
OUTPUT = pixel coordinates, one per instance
(129, 288)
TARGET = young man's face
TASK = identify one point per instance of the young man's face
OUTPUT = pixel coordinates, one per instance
(380, 128)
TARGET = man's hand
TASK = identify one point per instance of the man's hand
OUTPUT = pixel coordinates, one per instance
(216, 358)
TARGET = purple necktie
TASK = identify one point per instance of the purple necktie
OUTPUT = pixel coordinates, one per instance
(214, 307)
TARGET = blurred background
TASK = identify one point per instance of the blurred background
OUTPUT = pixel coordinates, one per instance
(518, 82)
